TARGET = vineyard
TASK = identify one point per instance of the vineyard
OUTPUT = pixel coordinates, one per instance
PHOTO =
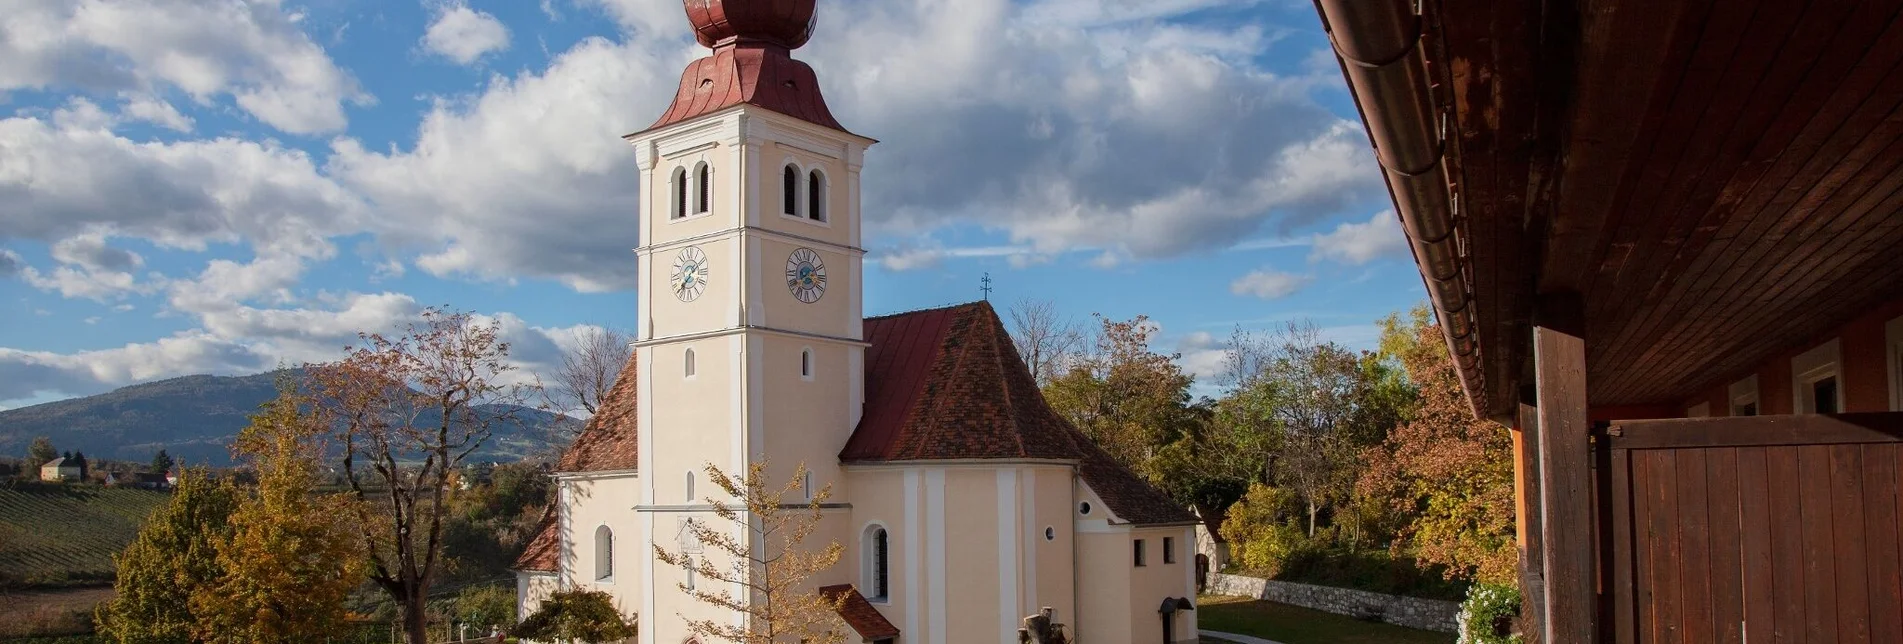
(53, 535)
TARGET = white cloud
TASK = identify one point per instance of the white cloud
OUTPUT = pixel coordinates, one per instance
(90, 269)
(1359, 243)
(252, 52)
(156, 111)
(1268, 284)
(463, 35)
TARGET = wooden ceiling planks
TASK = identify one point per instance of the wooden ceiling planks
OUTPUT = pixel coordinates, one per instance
(1792, 238)
(1770, 118)
(1490, 154)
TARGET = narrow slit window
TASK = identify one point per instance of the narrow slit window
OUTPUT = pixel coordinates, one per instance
(806, 364)
(816, 196)
(703, 180)
(689, 366)
(790, 191)
(1137, 551)
(680, 193)
(878, 569)
(604, 554)
(690, 487)
(806, 485)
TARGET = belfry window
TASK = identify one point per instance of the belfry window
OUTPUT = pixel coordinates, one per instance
(604, 554)
(816, 196)
(703, 188)
(878, 569)
(680, 193)
(790, 191)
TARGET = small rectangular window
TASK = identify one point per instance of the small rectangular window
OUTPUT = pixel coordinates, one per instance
(1824, 395)
(1169, 550)
(1139, 552)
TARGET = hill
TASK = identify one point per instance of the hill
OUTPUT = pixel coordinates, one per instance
(53, 535)
(194, 418)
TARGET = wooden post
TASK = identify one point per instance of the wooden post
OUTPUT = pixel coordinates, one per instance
(1564, 436)
(1526, 481)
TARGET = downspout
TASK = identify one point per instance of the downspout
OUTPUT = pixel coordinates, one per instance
(1378, 43)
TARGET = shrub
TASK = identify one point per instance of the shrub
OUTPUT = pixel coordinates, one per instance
(575, 615)
(486, 606)
(1487, 614)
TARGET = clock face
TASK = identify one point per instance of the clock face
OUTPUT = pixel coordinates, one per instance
(690, 274)
(806, 275)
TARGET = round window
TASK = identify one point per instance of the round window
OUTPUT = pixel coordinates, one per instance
(1083, 508)
(1050, 533)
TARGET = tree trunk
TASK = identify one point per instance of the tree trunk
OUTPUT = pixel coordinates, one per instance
(1312, 509)
(416, 616)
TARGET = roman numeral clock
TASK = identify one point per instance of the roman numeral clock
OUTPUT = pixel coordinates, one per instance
(690, 274)
(806, 275)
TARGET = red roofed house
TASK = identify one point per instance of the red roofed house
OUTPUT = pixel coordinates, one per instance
(964, 503)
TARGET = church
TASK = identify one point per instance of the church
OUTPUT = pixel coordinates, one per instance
(964, 503)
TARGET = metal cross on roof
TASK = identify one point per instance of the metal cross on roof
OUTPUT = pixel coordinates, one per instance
(986, 285)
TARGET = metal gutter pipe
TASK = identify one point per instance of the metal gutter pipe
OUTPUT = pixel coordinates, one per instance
(1378, 43)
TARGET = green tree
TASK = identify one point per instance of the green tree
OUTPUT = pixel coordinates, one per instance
(289, 562)
(1447, 474)
(1125, 396)
(174, 556)
(486, 606)
(39, 453)
(161, 462)
(575, 616)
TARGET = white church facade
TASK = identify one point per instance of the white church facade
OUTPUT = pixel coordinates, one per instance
(963, 502)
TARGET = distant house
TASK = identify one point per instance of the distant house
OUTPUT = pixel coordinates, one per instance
(63, 469)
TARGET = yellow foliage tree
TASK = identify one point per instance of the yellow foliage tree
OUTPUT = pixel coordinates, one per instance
(777, 596)
(289, 563)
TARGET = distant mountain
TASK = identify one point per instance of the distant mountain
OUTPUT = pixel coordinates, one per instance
(194, 418)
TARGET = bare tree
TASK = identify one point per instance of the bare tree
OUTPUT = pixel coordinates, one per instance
(407, 411)
(589, 368)
(776, 595)
(1046, 340)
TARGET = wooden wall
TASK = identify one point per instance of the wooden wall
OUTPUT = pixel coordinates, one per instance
(1865, 372)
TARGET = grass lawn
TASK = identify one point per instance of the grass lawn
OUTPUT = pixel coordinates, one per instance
(1295, 625)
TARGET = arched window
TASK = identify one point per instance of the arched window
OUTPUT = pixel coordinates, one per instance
(689, 363)
(703, 187)
(680, 193)
(604, 554)
(816, 196)
(690, 486)
(806, 364)
(878, 559)
(790, 191)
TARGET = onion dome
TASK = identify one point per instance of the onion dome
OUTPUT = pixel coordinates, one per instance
(781, 23)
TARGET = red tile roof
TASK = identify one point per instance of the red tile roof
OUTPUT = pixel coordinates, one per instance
(762, 76)
(544, 552)
(859, 613)
(609, 440)
(948, 384)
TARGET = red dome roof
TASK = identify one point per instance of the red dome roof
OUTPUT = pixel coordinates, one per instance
(785, 23)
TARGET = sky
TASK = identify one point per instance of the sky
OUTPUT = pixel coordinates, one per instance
(222, 186)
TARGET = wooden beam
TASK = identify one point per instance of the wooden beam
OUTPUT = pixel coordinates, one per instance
(1758, 431)
(1559, 357)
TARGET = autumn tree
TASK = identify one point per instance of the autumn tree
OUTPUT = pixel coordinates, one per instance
(1044, 338)
(589, 368)
(290, 561)
(174, 556)
(1125, 396)
(1447, 473)
(39, 453)
(775, 580)
(407, 410)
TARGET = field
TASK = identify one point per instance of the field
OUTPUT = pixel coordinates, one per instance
(65, 535)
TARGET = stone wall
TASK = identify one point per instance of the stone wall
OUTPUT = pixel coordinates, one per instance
(1412, 612)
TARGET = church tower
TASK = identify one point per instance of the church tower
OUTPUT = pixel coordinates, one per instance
(751, 344)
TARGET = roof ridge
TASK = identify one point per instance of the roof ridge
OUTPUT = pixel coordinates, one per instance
(928, 309)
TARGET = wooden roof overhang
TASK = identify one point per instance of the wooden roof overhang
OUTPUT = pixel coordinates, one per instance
(1715, 181)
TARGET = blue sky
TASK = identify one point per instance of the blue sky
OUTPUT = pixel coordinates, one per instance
(203, 186)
